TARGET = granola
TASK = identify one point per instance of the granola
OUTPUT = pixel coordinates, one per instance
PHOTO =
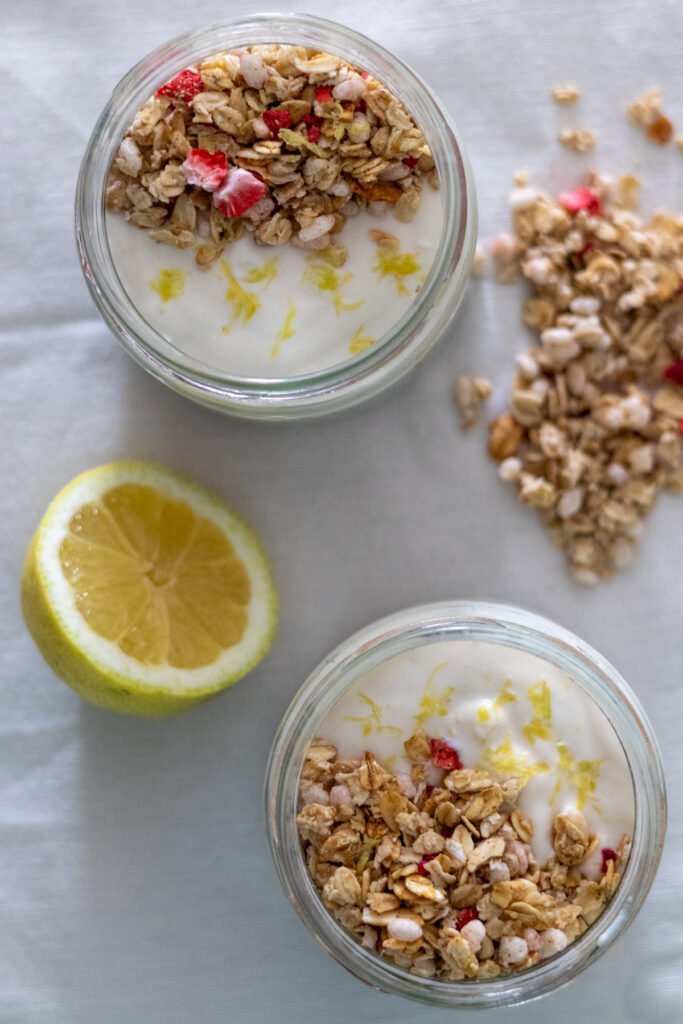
(646, 112)
(436, 879)
(282, 142)
(566, 94)
(469, 394)
(581, 140)
(592, 434)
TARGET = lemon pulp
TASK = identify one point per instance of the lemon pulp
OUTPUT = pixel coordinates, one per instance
(160, 581)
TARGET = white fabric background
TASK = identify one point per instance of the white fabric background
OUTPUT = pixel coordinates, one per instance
(135, 883)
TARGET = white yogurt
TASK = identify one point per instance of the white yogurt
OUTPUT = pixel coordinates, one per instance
(295, 327)
(502, 709)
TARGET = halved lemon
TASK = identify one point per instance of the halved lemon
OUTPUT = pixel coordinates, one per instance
(145, 592)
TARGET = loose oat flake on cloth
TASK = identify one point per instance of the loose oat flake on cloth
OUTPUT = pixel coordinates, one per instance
(593, 429)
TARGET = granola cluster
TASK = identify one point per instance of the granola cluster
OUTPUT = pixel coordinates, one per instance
(645, 112)
(593, 429)
(442, 880)
(283, 142)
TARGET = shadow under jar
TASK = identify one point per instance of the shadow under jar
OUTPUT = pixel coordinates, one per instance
(443, 668)
(297, 390)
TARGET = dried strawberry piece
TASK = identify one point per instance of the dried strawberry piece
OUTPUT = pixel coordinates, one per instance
(444, 755)
(364, 74)
(421, 869)
(581, 199)
(277, 118)
(410, 161)
(323, 94)
(313, 122)
(205, 169)
(607, 855)
(184, 86)
(674, 373)
(239, 192)
(680, 427)
(465, 916)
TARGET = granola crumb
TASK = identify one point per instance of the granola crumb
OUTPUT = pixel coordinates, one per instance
(566, 94)
(646, 112)
(660, 131)
(644, 109)
(580, 140)
(592, 434)
(419, 880)
(469, 394)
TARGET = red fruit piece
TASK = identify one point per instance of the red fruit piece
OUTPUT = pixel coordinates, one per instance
(410, 161)
(239, 192)
(607, 855)
(205, 169)
(444, 755)
(674, 373)
(465, 916)
(421, 869)
(184, 86)
(277, 118)
(323, 94)
(581, 199)
(364, 74)
(313, 122)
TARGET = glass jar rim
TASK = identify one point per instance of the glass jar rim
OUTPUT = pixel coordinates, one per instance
(333, 387)
(512, 627)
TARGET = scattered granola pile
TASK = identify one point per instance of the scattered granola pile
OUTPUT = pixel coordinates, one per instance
(280, 141)
(442, 879)
(593, 430)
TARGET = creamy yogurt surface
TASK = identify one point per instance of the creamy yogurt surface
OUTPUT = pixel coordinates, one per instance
(277, 311)
(506, 710)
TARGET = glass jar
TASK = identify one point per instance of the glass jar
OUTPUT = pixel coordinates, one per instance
(348, 382)
(512, 628)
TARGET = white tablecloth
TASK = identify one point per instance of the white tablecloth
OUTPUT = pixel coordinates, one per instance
(135, 882)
